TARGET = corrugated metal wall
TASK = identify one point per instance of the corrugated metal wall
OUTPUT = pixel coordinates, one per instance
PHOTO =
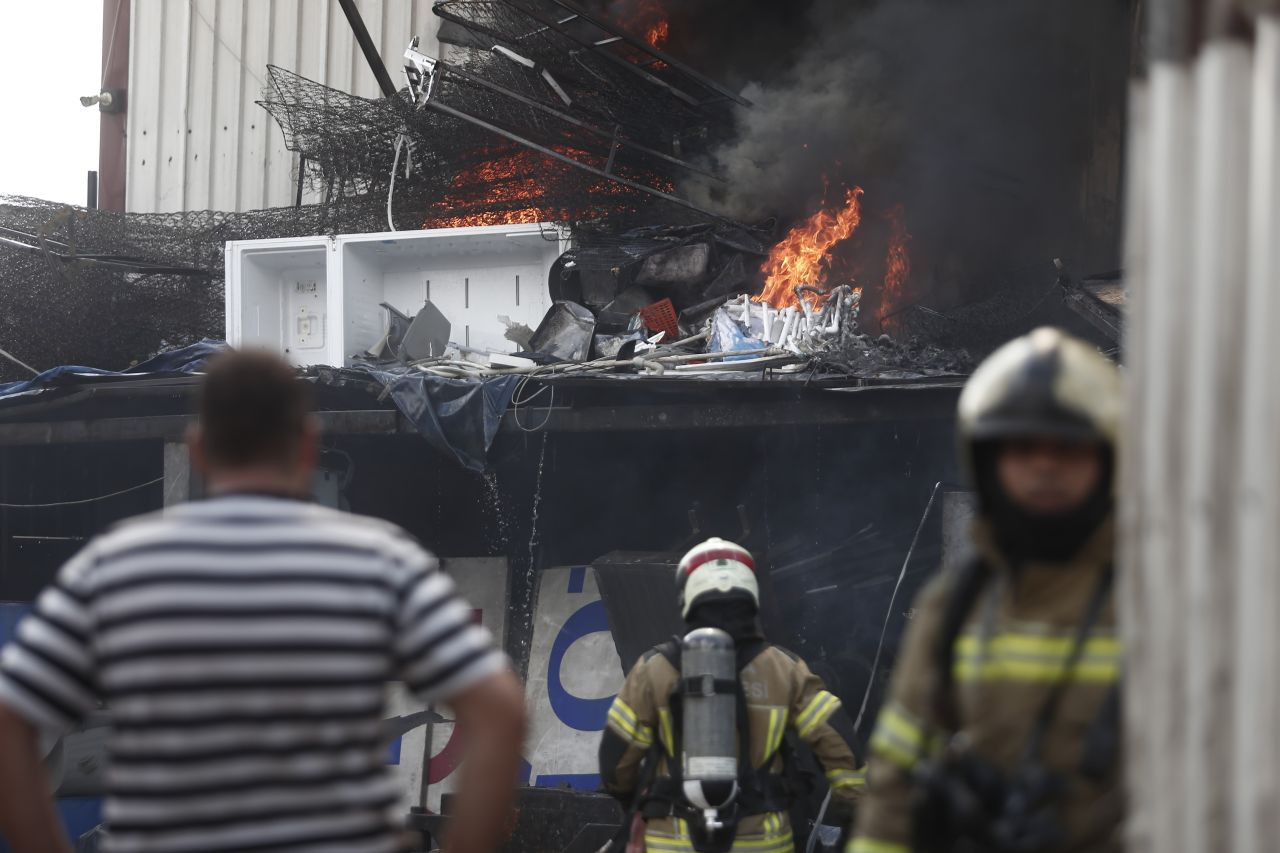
(1201, 496)
(197, 140)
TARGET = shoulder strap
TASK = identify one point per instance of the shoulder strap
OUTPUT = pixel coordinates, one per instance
(1049, 710)
(1102, 743)
(970, 578)
(671, 651)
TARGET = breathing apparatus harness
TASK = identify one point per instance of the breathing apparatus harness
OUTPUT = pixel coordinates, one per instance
(758, 791)
(964, 804)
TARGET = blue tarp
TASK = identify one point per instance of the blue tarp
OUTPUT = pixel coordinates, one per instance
(188, 359)
(457, 416)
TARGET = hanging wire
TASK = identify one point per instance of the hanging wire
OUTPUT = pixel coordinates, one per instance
(391, 190)
(136, 488)
(875, 664)
(884, 628)
(518, 400)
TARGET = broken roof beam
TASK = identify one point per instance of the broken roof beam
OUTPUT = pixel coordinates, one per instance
(586, 167)
(619, 141)
(592, 42)
(650, 50)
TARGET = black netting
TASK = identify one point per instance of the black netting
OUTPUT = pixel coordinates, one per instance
(109, 289)
(537, 115)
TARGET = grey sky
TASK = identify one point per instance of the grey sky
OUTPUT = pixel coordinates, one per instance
(50, 55)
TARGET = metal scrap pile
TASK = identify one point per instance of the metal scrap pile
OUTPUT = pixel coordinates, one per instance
(536, 111)
(671, 301)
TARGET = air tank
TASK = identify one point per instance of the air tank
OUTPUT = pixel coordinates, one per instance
(710, 739)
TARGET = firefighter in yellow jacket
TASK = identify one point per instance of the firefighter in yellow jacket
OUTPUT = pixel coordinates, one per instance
(1000, 732)
(774, 692)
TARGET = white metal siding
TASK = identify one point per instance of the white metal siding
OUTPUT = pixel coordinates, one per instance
(1201, 484)
(197, 140)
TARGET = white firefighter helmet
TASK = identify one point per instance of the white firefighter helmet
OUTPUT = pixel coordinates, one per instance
(716, 568)
(1046, 383)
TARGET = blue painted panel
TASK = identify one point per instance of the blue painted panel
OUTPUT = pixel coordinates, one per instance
(78, 814)
(10, 613)
(576, 781)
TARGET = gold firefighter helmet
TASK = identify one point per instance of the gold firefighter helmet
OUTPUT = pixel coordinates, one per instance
(1046, 383)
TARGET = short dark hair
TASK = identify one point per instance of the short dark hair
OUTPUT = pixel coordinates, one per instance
(253, 409)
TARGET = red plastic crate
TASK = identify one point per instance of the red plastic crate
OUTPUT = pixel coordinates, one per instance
(661, 317)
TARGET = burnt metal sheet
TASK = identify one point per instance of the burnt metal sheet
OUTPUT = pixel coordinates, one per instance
(639, 594)
(831, 406)
(565, 332)
(173, 428)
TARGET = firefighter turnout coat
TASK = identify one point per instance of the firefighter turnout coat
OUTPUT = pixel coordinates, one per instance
(781, 694)
(1010, 650)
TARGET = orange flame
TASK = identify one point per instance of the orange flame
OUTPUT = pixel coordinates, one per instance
(804, 255)
(512, 188)
(506, 180)
(897, 262)
(658, 33)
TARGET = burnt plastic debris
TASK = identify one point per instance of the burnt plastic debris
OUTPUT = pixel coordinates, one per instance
(565, 332)
(427, 336)
(616, 316)
(611, 346)
(601, 286)
(411, 339)
(684, 265)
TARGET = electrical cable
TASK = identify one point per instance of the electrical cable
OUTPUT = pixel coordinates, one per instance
(817, 824)
(85, 500)
(391, 190)
(884, 628)
(517, 401)
(875, 663)
(18, 362)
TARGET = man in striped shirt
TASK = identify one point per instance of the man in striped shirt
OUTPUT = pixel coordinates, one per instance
(242, 645)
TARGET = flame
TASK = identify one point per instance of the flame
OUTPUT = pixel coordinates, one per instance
(507, 181)
(657, 34)
(516, 186)
(647, 19)
(804, 255)
(897, 262)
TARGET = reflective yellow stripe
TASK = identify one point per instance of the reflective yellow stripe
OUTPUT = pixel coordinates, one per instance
(819, 708)
(644, 736)
(625, 728)
(897, 737)
(1036, 658)
(875, 845)
(777, 728)
(846, 778)
(814, 704)
(665, 844)
(664, 727)
(624, 709)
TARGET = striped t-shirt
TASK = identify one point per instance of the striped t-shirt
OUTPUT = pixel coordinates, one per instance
(243, 645)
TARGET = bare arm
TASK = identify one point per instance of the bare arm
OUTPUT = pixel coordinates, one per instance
(27, 817)
(491, 718)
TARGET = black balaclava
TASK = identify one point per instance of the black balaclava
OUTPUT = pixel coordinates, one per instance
(1035, 537)
(734, 614)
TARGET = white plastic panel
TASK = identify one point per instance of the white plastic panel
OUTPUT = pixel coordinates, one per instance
(317, 300)
(473, 275)
(278, 298)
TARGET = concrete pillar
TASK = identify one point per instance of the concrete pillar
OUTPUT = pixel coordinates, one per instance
(178, 477)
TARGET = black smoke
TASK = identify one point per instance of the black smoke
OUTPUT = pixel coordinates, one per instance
(997, 124)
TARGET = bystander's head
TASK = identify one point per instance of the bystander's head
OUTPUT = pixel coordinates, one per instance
(255, 431)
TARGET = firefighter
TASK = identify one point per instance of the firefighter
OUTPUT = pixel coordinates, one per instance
(1000, 732)
(645, 752)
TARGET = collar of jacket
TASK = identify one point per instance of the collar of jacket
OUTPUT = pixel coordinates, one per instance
(1097, 553)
